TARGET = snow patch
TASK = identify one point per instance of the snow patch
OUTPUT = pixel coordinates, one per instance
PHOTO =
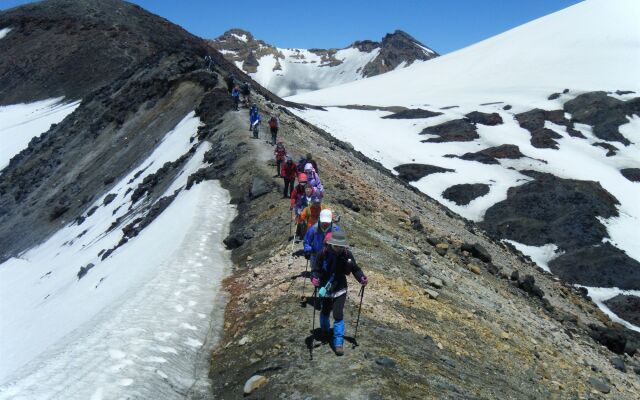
(4, 31)
(541, 255)
(19, 123)
(600, 295)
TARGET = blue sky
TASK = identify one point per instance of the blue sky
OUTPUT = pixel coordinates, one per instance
(444, 25)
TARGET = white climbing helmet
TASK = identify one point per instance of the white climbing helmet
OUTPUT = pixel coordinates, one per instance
(326, 216)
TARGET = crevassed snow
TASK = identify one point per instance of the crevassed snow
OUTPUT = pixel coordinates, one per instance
(541, 255)
(19, 123)
(45, 310)
(3, 32)
(521, 66)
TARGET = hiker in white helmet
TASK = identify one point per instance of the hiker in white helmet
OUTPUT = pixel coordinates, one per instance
(315, 237)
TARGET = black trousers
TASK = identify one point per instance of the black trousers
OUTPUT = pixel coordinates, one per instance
(334, 304)
(288, 186)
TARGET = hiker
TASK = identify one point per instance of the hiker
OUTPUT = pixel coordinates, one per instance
(309, 159)
(315, 236)
(309, 215)
(245, 90)
(231, 82)
(298, 194)
(254, 121)
(274, 124)
(302, 202)
(333, 263)
(235, 95)
(314, 179)
(288, 172)
(281, 155)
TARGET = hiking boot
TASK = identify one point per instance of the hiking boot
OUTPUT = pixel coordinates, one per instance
(340, 350)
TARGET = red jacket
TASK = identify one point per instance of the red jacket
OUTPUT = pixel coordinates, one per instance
(296, 194)
(289, 171)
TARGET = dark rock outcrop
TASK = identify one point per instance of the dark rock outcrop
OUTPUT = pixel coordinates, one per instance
(541, 137)
(478, 117)
(396, 48)
(626, 307)
(477, 251)
(611, 149)
(413, 113)
(492, 154)
(415, 172)
(604, 113)
(616, 339)
(601, 265)
(458, 130)
(465, 193)
(552, 210)
(632, 174)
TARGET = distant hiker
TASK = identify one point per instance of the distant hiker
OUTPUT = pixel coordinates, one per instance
(309, 159)
(274, 124)
(329, 272)
(288, 172)
(314, 179)
(209, 61)
(310, 214)
(231, 82)
(235, 95)
(254, 121)
(245, 90)
(315, 237)
(281, 155)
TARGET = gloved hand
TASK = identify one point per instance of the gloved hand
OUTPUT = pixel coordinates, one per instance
(364, 280)
(307, 255)
(315, 281)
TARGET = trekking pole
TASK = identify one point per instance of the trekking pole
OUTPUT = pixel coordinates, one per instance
(355, 341)
(304, 280)
(313, 322)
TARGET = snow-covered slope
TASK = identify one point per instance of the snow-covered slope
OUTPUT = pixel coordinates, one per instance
(19, 123)
(64, 288)
(593, 45)
(548, 64)
(291, 71)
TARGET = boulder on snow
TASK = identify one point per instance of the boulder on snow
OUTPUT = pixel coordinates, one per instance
(478, 117)
(415, 172)
(458, 130)
(632, 174)
(465, 193)
(415, 113)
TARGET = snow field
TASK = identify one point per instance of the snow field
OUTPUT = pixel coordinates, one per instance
(19, 123)
(45, 310)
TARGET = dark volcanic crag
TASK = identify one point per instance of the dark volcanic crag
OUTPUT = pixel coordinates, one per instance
(72, 47)
(478, 117)
(604, 113)
(415, 172)
(626, 307)
(458, 130)
(465, 193)
(541, 137)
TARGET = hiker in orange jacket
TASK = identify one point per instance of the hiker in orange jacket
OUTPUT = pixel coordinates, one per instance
(310, 214)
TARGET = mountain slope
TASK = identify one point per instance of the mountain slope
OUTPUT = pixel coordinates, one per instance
(290, 71)
(518, 67)
(69, 48)
(509, 133)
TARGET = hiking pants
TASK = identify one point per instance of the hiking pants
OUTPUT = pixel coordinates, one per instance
(288, 186)
(334, 304)
(274, 136)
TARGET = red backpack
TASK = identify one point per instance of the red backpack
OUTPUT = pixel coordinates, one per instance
(273, 122)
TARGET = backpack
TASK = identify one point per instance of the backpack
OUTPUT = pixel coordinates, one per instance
(273, 122)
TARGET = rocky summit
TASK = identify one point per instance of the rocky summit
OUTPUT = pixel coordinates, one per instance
(287, 71)
(147, 251)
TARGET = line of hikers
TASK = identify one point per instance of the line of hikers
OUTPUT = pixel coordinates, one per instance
(325, 244)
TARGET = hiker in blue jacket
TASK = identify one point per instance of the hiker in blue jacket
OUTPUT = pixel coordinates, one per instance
(316, 235)
(254, 120)
(329, 274)
(235, 95)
